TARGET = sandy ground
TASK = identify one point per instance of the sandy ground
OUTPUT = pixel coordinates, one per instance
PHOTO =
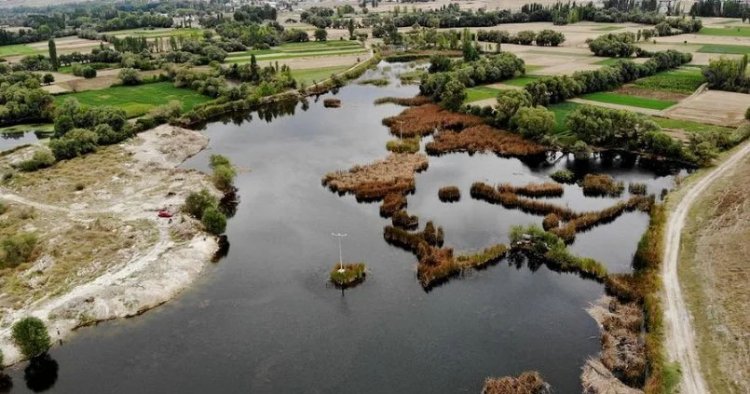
(711, 107)
(714, 274)
(164, 256)
(680, 334)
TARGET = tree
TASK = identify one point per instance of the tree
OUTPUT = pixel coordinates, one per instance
(53, 54)
(350, 27)
(534, 123)
(439, 63)
(197, 202)
(454, 94)
(48, 78)
(509, 101)
(470, 51)
(214, 221)
(129, 76)
(321, 35)
(30, 335)
(89, 72)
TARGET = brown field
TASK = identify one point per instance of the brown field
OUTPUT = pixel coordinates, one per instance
(714, 273)
(712, 107)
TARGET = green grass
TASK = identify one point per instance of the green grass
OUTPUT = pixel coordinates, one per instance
(138, 100)
(561, 111)
(17, 50)
(300, 49)
(158, 32)
(632, 101)
(727, 31)
(608, 62)
(23, 128)
(521, 81)
(477, 93)
(688, 126)
(608, 28)
(683, 80)
(724, 48)
(308, 76)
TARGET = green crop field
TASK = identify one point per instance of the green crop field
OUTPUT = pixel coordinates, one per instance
(724, 48)
(158, 32)
(521, 81)
(477, 93)
(138, 100)
(688, 126)
(561, 111)
(16, 50)
(632, 101)
(683, 80)
(304, 49)
(731, 31)
(308, 76)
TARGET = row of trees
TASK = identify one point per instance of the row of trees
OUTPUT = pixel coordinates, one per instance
(728, 74)
(544, 37)
(555, 89)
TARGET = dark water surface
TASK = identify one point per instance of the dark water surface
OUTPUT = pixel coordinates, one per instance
(264, 320)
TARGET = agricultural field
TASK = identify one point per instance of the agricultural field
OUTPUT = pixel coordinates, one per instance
(311, 75)
(688, 126)
(158, 32)
(725, 49)
(138, 100)
(684, 80)
(632, 101)
(17, 50)
(296, 50)
(727, 31)
(521, 80)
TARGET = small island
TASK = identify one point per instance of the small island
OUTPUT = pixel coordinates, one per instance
(348, 275)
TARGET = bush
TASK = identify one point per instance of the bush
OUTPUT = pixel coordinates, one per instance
(534, 123)
(129, 76)
(613, 45)
(224, 173)
(214, 221)
(42, 158)
(563, 176)
(30, 335)
(509, 101)
(18, 249)
(74, 143)
(197, 203)
(48, 79)
(88, 72)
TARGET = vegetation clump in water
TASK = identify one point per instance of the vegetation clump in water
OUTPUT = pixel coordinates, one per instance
(425, 119)
(529, 382)
(404, 101)
(348, 275)
(403, 220)
(563, 176)
(546, 189)
(637, 188)
(482, 138)
(449, 194)
(332, 103)
(601, 185)
(406, 145)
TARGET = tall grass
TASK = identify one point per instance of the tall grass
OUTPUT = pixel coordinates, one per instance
(426, 119)
(405, 101)
(601, 185)
(546, 189)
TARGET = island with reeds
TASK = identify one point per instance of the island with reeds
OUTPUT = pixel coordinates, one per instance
(348, 275)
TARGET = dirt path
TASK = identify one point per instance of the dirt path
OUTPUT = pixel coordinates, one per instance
(680, 335)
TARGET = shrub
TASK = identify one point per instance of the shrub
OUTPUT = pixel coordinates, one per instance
(30, 335)
(224, 173)
(129, 76)
(197, 202)
(406, 145)
(449, 194)
(88, 72)
(747, 113)
(214, 221)
(352, 274)
(613, 45)
(563, 176)
(18, 248)
(48, 79)
(74, 143)
(42, 158)
(534, 123)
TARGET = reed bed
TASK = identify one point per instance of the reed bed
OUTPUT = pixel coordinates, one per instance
(449, 194)
(405, 221)
(623, 350)
(486, 257)
(426, 119)
(546, 189)
(332, 103)
(406, 145)
(637, 188)
(601, 185)
(483, 138)
(353, 274)
(551, 221)
(587, 220)
(483, 191)
(529, 382)
(404, 101)
(392, 203)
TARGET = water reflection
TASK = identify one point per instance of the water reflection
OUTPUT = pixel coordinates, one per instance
(41, 373)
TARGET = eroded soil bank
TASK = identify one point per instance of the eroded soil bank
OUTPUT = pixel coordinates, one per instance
(102, 251)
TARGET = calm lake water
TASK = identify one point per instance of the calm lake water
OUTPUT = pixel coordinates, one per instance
(264, 320)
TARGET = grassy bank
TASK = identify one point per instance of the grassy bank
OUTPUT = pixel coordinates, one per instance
(138, 100)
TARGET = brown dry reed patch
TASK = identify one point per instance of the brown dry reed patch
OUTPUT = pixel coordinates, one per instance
(449, 194)
(546, 189)
(529, 382)
(483, 138)
(623, 350)
(403, 220)
(404, 101)
(551, 221)
(388, 179)
(601, 185)
(425, 119)
(637, 188)
(332, 103)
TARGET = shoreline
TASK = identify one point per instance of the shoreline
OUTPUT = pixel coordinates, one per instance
(140, 279)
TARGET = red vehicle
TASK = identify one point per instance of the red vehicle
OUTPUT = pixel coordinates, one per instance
(163, 213)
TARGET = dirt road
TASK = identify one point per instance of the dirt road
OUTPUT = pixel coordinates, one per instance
(680, 335)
